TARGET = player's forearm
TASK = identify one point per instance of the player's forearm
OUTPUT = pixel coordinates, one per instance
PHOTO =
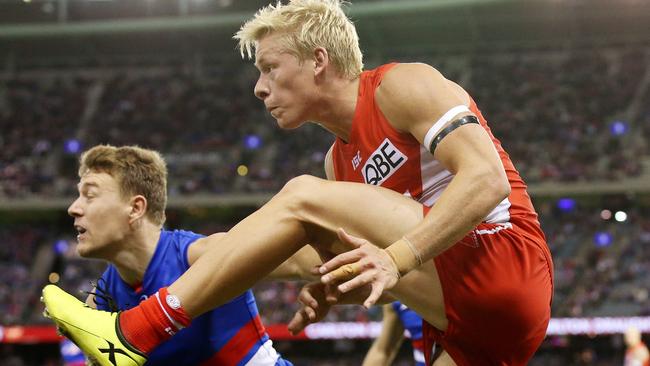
(385, 347)
(375, 358)
(468, 199)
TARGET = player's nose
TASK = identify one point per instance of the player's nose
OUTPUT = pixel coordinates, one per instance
(261, 89)
(75, 209)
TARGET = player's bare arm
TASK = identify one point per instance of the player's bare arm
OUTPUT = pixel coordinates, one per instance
(413, 97)
(385, 347)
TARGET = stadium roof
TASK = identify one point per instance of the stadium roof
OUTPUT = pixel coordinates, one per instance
(384, 27)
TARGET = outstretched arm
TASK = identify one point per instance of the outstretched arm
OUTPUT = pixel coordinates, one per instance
(385, 347)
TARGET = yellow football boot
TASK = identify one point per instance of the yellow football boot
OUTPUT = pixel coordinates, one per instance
(96, 332)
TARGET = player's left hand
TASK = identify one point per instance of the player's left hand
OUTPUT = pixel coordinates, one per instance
(367, 264)
(314, 308)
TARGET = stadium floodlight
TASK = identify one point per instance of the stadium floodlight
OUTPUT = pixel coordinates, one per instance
(605, 214)
(252, 142)
(242, 170)
(618, 128)
(603, 239)
(566, 204)
(620, 216)
(72, 146)
(61, 246)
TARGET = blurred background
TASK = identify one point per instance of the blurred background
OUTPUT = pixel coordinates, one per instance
(565, 85)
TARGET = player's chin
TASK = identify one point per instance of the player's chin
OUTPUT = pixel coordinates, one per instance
(84, 249)
(288, 123)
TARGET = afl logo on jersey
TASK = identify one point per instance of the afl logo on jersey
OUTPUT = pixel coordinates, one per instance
(382, 163)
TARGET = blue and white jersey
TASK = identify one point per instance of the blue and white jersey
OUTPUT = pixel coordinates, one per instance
(231, 334)
(412, 324)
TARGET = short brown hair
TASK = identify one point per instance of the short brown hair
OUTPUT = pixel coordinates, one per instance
(138, 171)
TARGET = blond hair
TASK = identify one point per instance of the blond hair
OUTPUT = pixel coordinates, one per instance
(138, 171)
(303, 26)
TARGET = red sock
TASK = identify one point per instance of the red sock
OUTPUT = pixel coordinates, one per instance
(154, 321)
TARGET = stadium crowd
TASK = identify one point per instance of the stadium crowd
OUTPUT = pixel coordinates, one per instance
(559, 123)
(556, 120)
(36, 119)
(602, 267)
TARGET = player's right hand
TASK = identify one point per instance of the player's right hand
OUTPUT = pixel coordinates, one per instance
(365, 266)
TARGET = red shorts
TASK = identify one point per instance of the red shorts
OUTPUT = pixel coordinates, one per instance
(497, 285)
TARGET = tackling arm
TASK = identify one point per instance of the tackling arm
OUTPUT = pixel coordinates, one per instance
(385, 347)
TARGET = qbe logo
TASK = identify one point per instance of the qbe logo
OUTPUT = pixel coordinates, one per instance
(382, 163)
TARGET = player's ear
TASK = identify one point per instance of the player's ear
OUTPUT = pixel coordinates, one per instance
(321, 60)
(138, 208)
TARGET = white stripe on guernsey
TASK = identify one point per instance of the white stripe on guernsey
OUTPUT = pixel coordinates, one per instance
(435, 178)
(435, 129)
(418, 356)
(500, 214)
(504, 226)
(266, 355)
(177, 325)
